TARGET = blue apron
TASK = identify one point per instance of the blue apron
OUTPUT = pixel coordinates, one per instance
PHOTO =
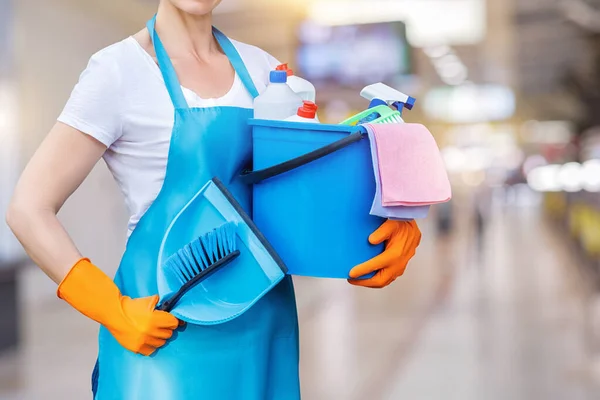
(253, 357)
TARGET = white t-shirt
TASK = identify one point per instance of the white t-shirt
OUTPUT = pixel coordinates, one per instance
(121, 100)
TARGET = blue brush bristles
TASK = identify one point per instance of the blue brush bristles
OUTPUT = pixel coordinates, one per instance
(202, 253)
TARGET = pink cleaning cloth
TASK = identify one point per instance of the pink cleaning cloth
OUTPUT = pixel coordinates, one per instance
(410, 165)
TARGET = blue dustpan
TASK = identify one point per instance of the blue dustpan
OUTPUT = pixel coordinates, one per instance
(232, 290)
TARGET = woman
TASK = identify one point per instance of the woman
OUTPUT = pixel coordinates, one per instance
(154, 107)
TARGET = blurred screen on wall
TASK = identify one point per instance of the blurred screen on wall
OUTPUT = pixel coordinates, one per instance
(353, 55)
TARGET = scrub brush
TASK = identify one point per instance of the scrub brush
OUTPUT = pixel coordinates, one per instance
(199, 259)
(377, 115)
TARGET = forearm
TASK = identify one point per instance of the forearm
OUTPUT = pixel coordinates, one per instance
(55, 171)
(44, 238)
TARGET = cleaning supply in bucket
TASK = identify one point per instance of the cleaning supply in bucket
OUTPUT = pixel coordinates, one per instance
(386, 106)
(381, 96)
(200, 259)
(307, 113)
(382, 114)
(395, 212)
(374, 115)
(389, 95)
(278, 101)
(410, 165)
(300, 86)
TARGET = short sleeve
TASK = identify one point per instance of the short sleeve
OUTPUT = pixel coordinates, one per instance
(271, 61)
(94, 107)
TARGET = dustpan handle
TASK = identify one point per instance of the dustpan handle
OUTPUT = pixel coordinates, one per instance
(252, 177)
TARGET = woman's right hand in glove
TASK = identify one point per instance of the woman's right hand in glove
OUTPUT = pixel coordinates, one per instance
(134, 323)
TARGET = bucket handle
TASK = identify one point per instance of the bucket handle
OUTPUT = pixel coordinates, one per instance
(250, 177)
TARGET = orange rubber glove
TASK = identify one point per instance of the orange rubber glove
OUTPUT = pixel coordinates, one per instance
(402, 239)
(135, 323)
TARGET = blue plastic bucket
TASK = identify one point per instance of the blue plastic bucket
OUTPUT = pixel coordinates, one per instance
(313, 190)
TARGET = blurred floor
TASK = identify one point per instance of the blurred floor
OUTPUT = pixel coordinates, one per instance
(501, 323)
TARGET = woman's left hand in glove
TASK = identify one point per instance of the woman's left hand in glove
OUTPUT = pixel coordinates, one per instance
(402, 239)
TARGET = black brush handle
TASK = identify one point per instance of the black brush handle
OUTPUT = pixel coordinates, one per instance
(169, 304)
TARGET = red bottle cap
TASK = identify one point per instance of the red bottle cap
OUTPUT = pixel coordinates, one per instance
(284, 67)
(308, 110)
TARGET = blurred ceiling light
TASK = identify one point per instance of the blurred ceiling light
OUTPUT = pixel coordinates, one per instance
(354, 12)
(544, 179)
(429, 22)
(569, 177)
(590, 176)
(437, 51)
(452, 70)
(455, 77)
(447, 64)
(457, 22)
(470, 103)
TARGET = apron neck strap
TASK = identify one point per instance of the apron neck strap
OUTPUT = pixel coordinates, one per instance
(236, 61)
(170, 76)
(166, 68)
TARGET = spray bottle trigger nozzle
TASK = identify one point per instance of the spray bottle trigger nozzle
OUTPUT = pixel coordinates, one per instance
(410, 103)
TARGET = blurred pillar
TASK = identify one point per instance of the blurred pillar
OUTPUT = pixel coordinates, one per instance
(10, 251)
(584, 79)
(547, 46)
(497, 50)
(9, 151)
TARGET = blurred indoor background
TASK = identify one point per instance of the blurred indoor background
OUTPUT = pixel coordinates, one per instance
(502, 300)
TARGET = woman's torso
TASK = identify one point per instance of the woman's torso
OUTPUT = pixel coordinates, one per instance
(121, 100)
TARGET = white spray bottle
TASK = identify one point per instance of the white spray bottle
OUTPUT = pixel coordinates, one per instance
(390, 95)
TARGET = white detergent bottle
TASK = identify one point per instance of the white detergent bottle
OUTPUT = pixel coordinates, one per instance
(278, 101)
(306, 113)
(302, 87)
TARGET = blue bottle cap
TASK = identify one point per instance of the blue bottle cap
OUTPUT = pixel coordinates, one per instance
(278, 77)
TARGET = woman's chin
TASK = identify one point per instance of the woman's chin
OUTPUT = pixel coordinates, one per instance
(196, 7)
